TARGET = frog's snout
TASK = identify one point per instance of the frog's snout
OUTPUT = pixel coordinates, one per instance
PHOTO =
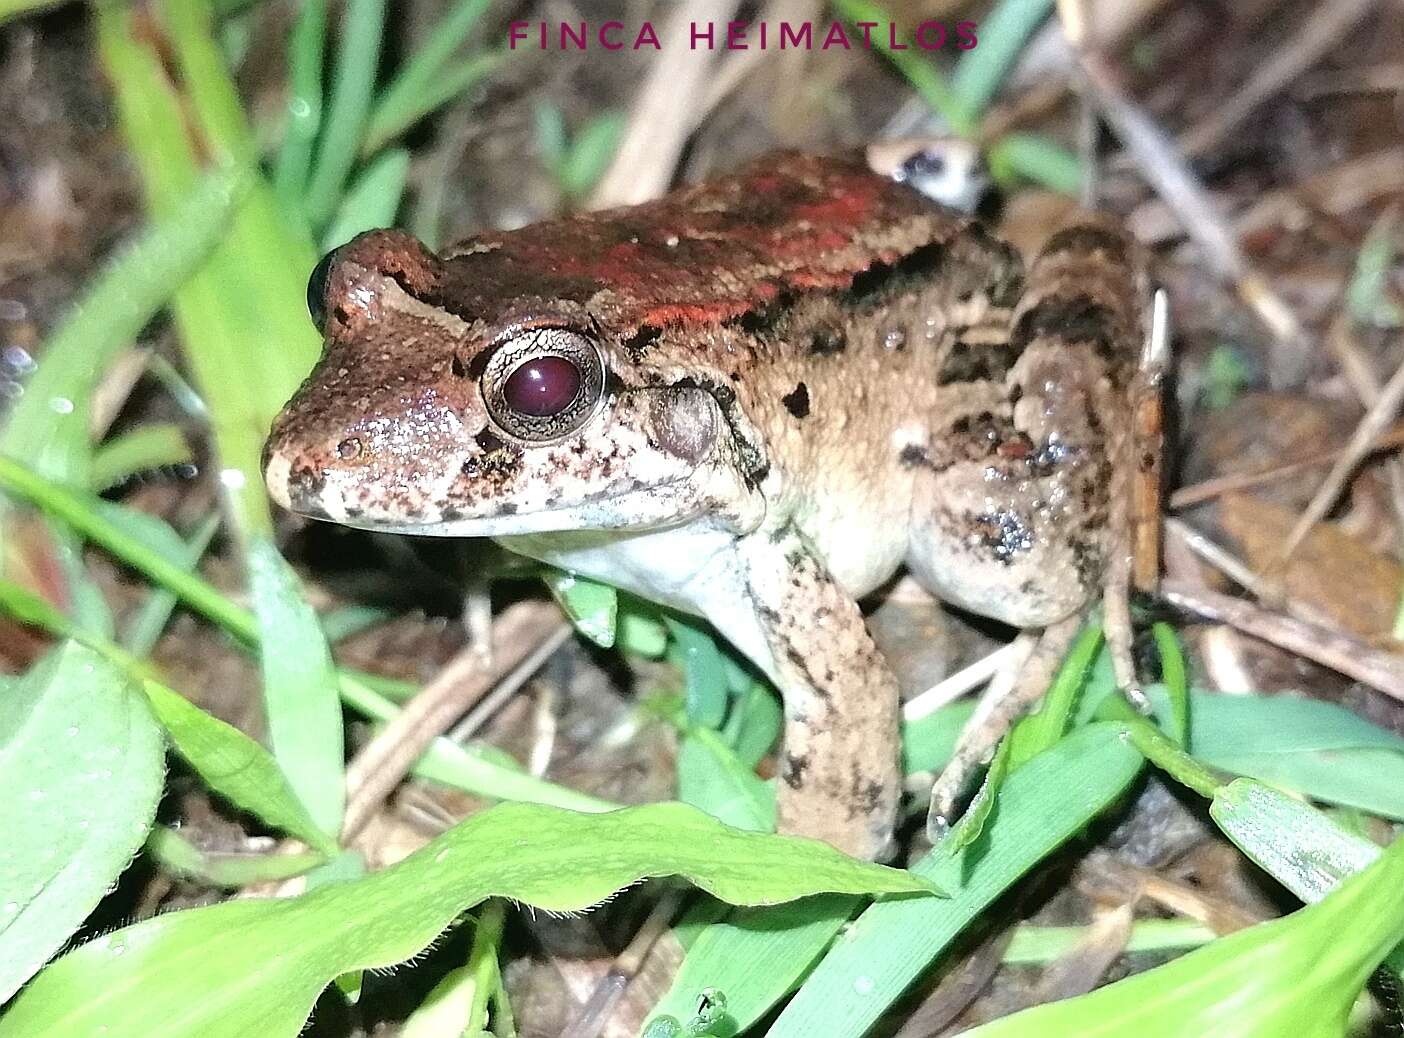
(298, 489)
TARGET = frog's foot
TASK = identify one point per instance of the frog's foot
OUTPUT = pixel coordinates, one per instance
(839, 774)
(1011, 693)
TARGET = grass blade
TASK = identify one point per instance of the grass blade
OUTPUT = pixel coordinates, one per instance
(150, 446)
(1040, 806)
(373, 200)
(353, 84)
(1003, 33)
(1298, 975)
(48, 426)
(299, 688)
(404, 101)
(306, 54)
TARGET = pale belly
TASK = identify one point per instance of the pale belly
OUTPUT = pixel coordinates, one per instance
(693, 568)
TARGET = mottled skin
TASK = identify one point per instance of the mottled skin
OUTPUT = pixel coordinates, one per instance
(811, 377)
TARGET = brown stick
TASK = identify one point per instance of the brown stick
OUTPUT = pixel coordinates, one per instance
(517, 635)
(1331, 648)
(1219, 485)
(1374, 422)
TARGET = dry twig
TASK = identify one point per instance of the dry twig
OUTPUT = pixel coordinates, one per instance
(518, 635)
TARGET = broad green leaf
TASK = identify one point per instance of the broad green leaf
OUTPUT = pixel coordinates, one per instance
(639, 629)
(82, 765)
(1037, 809)
(754, 724)
(590, 605)
(1294, 976)
(229, 762)
(235, 766)
(256, 967)
(299, 688)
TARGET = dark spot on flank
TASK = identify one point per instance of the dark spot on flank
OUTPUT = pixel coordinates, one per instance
(1087, 238)
(882, 281)
(1076, 319)
(795, 767)
(972, 362)
(827, 342)
(797, 401)
(913, 455)
(507, 508)
(488, 441)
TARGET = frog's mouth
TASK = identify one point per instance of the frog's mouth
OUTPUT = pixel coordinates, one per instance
(388, 507)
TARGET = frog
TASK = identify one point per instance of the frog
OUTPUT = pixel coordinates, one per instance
(754, 400)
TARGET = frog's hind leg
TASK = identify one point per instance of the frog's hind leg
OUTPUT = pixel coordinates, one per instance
(1020, 511)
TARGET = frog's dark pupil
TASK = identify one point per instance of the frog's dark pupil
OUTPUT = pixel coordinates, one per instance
(317, 290)
(542, 387)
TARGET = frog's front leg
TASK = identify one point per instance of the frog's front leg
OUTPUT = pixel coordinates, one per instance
(839, 776)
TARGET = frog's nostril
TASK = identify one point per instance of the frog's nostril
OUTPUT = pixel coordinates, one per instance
(349, 449)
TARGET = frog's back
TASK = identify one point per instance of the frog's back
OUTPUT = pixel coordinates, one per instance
(737, 245)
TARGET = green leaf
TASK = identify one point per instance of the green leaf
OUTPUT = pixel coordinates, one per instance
(1002, 34)
(82, 765)
(430, 77)
(1042, 729)
(590, 605)
(258, 966)
(1037, 158)
(306, 52)
(920, 71)
(348, 107)
(1291, 841)
(590, 153)
(711, 777)
(48, 426)
(242, 316)
(299, 688)
(145, 447)
(704, 672)
(179, 857)
(1038, 808)
(774, 948)
(235, 766)
(1293, 976)
(373, 199)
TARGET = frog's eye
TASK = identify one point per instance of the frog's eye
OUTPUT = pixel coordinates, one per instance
(543, 384)
(317, 290)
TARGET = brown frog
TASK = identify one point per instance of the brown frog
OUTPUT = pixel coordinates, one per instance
(754, 400)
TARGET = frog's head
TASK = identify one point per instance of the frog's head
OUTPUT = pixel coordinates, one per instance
(451, 409)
